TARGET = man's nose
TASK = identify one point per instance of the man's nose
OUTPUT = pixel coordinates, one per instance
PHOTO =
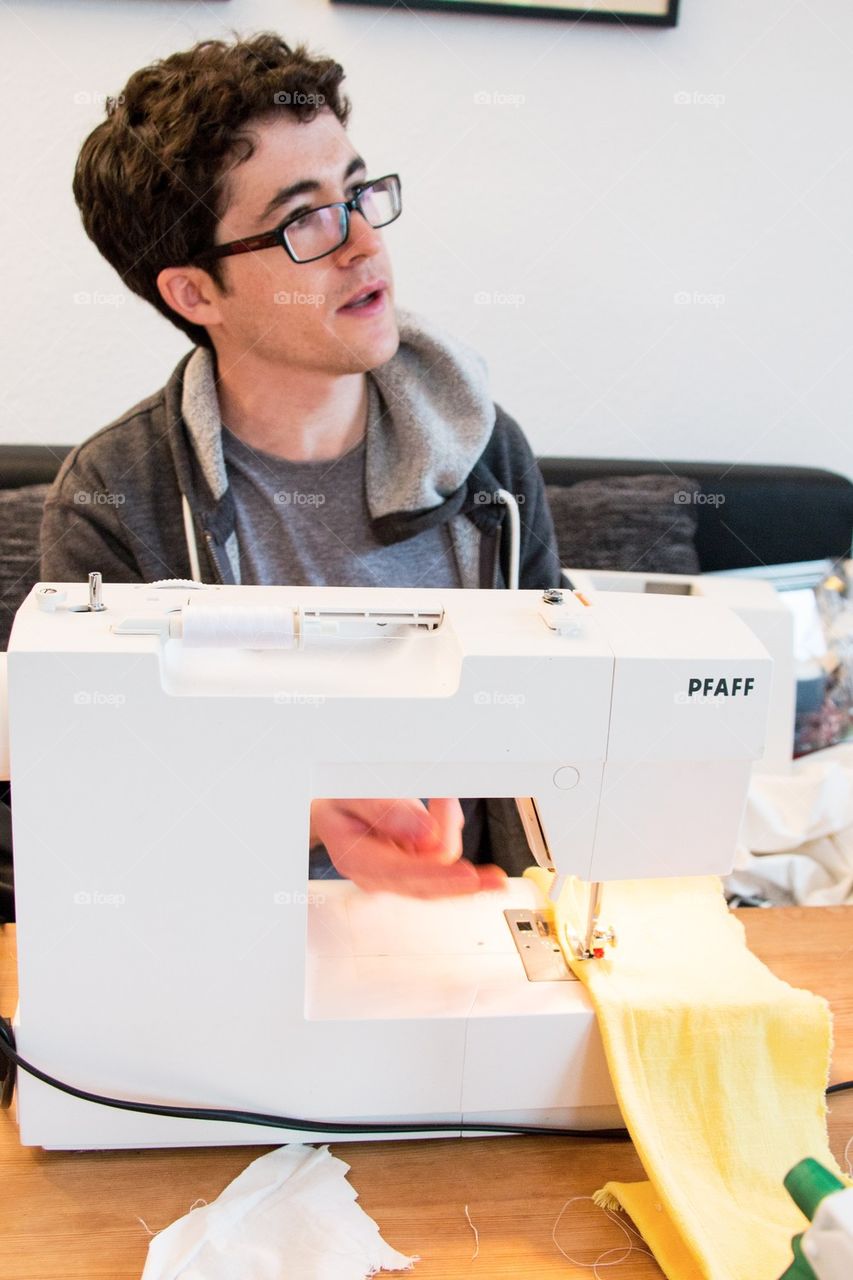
(363, 240)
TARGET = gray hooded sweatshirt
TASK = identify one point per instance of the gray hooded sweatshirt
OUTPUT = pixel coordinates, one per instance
(131, 499)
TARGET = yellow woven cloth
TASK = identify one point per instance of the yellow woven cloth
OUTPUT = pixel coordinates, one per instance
(720, 1070)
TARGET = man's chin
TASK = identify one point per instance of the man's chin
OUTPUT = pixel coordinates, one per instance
(387, 351)
(370, 351)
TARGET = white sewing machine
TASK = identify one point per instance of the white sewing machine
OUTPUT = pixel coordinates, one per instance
(165, 745)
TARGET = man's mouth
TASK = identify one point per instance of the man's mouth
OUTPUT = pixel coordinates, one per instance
(368, 301)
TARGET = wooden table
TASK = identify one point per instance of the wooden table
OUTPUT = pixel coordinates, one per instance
(76, 1215)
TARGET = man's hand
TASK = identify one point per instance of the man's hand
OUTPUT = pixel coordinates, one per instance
(400, 846)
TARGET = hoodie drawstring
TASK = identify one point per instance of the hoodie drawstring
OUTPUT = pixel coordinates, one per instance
(511, 505)
(192, 545)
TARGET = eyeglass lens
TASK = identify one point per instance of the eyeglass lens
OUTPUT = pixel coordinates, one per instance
(322, 230)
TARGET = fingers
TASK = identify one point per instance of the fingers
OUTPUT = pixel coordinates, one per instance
(491, 877)
(396, 846)
(449, 820)
(378, 867)
(405, 821)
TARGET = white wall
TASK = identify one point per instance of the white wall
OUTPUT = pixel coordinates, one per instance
(600, 198)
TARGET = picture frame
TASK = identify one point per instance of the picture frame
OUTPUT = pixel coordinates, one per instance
(653, 13)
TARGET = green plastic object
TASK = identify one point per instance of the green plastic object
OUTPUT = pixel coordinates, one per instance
(799, 1268)
(808, 1183)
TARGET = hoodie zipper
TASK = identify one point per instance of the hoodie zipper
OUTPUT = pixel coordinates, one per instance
(496, 564)
(211, 547)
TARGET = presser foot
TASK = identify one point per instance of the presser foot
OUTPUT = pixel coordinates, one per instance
(545, 947)
(593, 944)
(594, 947)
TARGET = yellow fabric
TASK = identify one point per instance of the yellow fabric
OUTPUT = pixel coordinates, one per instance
(720, 1070)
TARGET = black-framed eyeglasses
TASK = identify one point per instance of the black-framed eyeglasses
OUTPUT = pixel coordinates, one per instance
(318, 232)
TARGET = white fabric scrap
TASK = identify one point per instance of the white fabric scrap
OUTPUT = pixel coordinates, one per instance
(291, 1214)
(796, 838)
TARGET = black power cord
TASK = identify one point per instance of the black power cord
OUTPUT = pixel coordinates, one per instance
(7, 1066)
(11, 1059)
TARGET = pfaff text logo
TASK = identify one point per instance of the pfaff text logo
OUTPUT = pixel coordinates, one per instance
(720, 686)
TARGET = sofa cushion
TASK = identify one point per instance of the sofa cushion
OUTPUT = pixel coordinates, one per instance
(20, 519)
(640, 524)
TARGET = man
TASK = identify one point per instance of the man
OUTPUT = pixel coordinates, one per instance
(314, 435)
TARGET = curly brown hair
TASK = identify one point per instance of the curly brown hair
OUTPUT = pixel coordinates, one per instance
(151, 179)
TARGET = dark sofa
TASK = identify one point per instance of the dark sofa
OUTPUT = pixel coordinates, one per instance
(681, 517)
(743, 515)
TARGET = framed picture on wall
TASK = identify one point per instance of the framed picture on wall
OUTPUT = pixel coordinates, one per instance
(657, 13)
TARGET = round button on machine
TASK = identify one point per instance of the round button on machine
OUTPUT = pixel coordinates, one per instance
(566, 777)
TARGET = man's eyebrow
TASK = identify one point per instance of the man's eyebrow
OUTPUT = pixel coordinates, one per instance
(306, 187)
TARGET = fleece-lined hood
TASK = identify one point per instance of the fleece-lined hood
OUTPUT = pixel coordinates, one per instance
(438, 451)
(430, 417)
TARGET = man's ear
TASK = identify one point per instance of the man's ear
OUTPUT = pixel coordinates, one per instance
(191, 292)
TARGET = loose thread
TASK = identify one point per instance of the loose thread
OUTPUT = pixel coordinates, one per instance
(627, 1230)
(476, 1235)
(195, 1205)
(847, 1157)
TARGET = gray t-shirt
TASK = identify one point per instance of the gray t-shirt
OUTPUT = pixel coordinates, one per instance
(307, 524)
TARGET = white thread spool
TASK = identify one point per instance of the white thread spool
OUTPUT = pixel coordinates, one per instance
(206, 626)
